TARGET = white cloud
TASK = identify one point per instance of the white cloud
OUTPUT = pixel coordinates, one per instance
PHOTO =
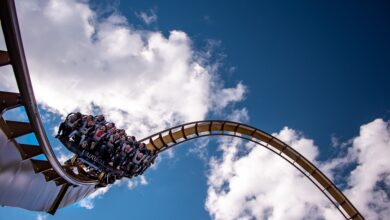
(257, 184)
(143, 181)
(147, 17)
(239, 115)
(199, 149)
(88, 202)
(131, 184)
(63, 156)
(229, 95)
(142, 80)
(41, 217)
(372, 150)
(334, 141)
(138, 181)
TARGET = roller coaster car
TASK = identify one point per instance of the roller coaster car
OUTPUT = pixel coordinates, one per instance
(101, 169)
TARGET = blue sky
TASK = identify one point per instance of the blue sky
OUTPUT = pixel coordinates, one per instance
(319, 68)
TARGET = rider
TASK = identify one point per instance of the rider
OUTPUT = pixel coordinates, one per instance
(86, 131)
(148, 161)
(136, 161)
(120, 157)
(71, 122)
(112, 145)
(75, 135)
(100, 120)
(98, 136)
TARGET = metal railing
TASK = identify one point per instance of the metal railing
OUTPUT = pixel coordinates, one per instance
(9, 22)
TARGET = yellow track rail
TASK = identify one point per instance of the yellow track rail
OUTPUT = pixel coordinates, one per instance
(179, 134)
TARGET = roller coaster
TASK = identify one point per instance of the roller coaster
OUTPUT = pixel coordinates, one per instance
(47, 185)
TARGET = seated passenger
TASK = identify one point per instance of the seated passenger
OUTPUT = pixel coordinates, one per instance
(75, 136)
(120, 157)
(119, 143)
(148, 161)
(129, 139)
(110, 126)
(131, 153)
(143, 148)
(110, 131)
(87, 118)
(85, 132)
(113, 141)
(107, 149)
(109, 144)
(122, 132)
(99, 120)
(137, 159)
(146, 153)
(98, 136)
(70, 123)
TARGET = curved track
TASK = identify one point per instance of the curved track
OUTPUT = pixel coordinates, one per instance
(14, 43)
(171, 137)
(18, 159)
(68, 187)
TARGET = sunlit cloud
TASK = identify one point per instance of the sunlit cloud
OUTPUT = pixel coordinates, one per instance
(142, 80)
(259, 185)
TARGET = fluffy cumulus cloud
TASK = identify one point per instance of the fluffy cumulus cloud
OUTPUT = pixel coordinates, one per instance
(88, 202)
(140, 181)
(368, 184)
(250, 182)
(142, 80)
(258, 184)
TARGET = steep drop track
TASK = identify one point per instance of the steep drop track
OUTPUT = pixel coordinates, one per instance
(21, 183)
(46, 185)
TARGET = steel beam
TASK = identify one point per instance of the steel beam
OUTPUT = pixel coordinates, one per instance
(40, 165)
(4, 58)
(9, 100)
(29, 151)
(13, 39)
(60, 181)
(17, 128)
(50, 175)
(58, 199)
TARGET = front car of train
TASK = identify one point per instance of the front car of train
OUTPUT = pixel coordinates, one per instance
(102, 150)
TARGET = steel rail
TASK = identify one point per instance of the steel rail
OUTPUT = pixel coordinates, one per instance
(179, 134)
(11, 31)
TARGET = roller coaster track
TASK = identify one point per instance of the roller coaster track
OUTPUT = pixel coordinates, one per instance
(171, 137)
(22, 183)
(68, 187)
